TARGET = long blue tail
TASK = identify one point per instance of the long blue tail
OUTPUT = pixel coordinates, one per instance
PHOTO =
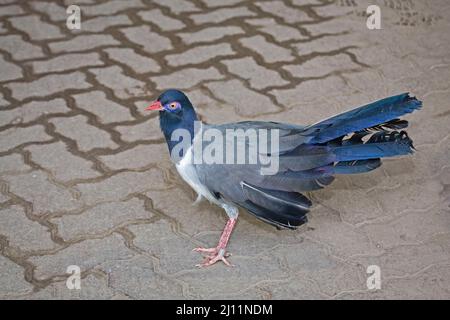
(364, 117)
(360, 137)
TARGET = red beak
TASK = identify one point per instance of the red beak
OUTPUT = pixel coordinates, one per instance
(155, 106)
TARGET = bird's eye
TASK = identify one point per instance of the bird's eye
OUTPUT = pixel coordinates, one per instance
(174, 105)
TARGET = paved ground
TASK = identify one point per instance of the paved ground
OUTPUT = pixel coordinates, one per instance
(86, 180)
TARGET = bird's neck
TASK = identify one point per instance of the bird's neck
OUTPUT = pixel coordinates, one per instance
(187, 122)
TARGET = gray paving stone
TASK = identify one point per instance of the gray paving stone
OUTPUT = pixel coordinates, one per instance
(3, 30)
(45, 196)
(186, 78)
(32, 110)
(23, 233)
(68, 61)
(137, 157)
(63, 164)
(144, 37)
(101, 219)
(11, 10)
(205, 217)
(329, 43)
(12, 163)
(137, 278)
(221, 15)
(322, 66)
(99, 24)
(10, 71)
(279, 32)
(3, 102)
(112, 7)
(137, 62)
(93, 287)
(119, 186)
(86, 254)
(48, 85)
(124, 87)
(106, 110)
(258, 76)
(173, 251)
(53, 10)
(12, 281)
(286, 13)
(85, 135)
(164, 22)
(36, 28)
(199, 54)
(19, 48)
(246, 102)
(209, 34)
(178, 6)
(16, 136)
(83, 43)
(148, 130)
(270, 52)
(218, 3)
(304, 95)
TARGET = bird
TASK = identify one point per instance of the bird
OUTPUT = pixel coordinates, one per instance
(309, 158)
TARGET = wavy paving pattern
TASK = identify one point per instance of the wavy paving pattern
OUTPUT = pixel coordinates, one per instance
(85, 178)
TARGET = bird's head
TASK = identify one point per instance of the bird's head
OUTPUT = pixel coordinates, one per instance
(175, 112)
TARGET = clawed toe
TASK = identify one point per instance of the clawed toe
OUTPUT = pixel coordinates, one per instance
(215, 255)
(205, 250)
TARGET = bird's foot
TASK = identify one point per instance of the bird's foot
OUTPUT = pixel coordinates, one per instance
(214, 255)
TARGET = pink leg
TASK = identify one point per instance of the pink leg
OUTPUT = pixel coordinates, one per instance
(218, 253)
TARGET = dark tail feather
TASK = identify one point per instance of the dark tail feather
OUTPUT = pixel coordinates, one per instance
(368, 116)
(380, 144)
(358, 166)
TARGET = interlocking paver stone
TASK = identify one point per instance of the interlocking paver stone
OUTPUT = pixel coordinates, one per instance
(64, 165)
(68, 61)
(220, 15)
(101, 23)
(12, 281)
(102, 218)
(14, 137)
(23, 233)
(209, 34)
(86, 254)
(186, 78)
(83, 43)
(106, 110)
(122, 85)
(163, 21)
(86, 136)
(36, 28)
(258, 76)
(19, 48)
(33, 110)
(199, 54)
(48, 85)
(137, 62)
(45, 196)
(146, 38)
(246, 102)
(10, 71)
(270, 52)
